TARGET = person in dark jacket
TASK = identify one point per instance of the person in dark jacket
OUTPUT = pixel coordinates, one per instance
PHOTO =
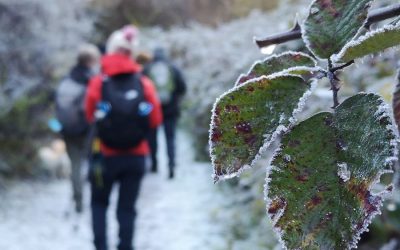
(123, 166)
(171, 87)
(87, 63)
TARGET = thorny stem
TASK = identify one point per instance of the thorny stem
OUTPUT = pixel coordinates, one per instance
(335, 83)
(294, 34)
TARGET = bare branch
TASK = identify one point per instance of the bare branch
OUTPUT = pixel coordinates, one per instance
(383, 14)
(294, 34)
(342, 66)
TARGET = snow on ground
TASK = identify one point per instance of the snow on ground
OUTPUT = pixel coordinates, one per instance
(173, 215)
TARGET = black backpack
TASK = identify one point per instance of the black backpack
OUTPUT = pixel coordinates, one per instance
(70, 97)
(124, 126)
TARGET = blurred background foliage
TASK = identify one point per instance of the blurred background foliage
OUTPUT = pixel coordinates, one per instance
(168, 13)
(211, 40)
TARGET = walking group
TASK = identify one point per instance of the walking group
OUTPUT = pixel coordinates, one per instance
(109, 109)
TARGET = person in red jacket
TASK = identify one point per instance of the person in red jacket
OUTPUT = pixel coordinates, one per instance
(125, 166)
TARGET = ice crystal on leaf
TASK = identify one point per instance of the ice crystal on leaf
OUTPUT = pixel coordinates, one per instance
(372, 42)
(320, 184)
(338, 207)
(396, 101)
(250, 116)
(286, 62)
(330, 25)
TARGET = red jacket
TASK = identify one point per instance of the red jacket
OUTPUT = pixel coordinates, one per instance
(114, 65)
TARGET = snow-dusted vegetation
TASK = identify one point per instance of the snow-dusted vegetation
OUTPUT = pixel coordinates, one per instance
(212, 58)
(37, 48)
(38, 42)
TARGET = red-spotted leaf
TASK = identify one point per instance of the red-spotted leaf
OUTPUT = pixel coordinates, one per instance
(331, 24)
(319, 188)
(288, 62)
(396, 101)
(372, 42)
(249, 116)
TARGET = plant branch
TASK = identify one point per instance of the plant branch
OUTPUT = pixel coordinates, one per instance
(295, 33)
(383, 14)
(333, 70)
(335, 84)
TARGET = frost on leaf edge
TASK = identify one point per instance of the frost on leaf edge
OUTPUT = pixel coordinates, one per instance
(267, 141)
(390, 161)
(336, 58)
(286, 71)
(307, 40)
(382, 112)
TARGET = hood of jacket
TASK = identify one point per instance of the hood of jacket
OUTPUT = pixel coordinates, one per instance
(117, 64)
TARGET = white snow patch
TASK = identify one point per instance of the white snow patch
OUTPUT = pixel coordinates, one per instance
(172, 215)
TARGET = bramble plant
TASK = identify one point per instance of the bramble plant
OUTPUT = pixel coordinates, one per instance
(319, 188)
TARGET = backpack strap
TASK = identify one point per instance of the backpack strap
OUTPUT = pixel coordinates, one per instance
(137, 77)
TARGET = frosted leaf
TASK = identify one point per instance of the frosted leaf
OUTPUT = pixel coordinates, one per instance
(396, 101)
(325, 187)
(278, 63)
(372, 42)
(332, 24)
(249, 117)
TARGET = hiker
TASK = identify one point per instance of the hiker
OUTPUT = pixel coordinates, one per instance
(143, 58)
(171, 87)
(124, 106)
(70, 96)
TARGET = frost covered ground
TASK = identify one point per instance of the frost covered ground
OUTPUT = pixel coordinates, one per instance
(173, 215)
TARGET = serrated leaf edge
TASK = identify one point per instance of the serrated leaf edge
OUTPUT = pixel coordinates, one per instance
(389, 27)
(390, 160)
(268, 141)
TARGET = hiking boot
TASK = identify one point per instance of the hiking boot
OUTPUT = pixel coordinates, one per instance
(171, 175)
(154, 169)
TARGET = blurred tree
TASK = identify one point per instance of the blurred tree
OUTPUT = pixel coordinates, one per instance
(166, 13)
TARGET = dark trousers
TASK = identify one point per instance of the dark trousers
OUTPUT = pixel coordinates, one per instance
(128, 171)
(170, 131)
(75, 150)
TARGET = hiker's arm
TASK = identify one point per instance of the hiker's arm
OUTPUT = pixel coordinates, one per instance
(93, 96)
(151, 96)
(180, 82)
(145, 70)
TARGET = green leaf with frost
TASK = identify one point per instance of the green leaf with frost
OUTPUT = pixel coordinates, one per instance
(250, 116)
(319, 186)
(331, 24)
(372, 42)
(396, 101)
(287, 62)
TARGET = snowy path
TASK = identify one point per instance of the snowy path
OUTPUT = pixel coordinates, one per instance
(173, 215)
